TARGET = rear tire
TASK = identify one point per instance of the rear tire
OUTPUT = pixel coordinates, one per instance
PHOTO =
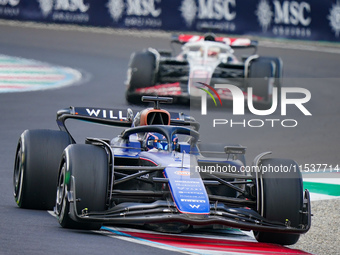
(36, 168)
(88, 165)
(282, 199)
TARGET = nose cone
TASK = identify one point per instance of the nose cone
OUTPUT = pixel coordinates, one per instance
(188, 191)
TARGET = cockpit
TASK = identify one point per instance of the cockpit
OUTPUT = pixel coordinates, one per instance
(151, 128)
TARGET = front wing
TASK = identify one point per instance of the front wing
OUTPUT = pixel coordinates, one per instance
(166, 212)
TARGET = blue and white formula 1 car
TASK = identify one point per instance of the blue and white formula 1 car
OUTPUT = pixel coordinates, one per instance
(204, 59)
(156, 174)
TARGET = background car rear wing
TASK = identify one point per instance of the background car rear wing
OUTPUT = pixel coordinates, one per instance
(232, 42)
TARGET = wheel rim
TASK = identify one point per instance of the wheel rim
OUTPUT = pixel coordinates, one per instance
(18, 176)
(61, 193)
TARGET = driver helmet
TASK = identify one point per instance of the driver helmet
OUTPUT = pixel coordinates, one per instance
(156, 141)
(210, 37)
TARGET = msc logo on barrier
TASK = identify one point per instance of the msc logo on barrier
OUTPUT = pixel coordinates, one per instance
(9, 8)
(9, 2)
(63, 5)
(72, 11)
(289, 17)
(218, 12)
(139, 13)
(334, 18)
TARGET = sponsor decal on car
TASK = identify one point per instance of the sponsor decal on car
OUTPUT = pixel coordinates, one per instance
(186, 173)
(162, 89)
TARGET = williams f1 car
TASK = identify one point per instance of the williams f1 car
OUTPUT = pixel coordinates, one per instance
(203, 60)
(157, 174)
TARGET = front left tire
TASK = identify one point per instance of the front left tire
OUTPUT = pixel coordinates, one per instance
(36, 165)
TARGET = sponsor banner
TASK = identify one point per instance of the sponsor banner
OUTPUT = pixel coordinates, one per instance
(303, 19)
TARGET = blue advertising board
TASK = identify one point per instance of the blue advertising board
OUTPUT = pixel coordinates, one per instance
(295, 19)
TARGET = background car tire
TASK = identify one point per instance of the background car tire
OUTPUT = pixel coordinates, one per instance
(260, 72)
(36, 167)
(278, 67)
(88, 164)
(282, 199)
(142, 68)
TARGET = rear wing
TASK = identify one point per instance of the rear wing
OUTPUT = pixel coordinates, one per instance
(114, 117)
(232, 42)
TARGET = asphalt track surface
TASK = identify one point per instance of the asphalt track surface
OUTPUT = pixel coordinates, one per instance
(103, 59)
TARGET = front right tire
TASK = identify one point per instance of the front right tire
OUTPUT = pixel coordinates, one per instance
(282, 194)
